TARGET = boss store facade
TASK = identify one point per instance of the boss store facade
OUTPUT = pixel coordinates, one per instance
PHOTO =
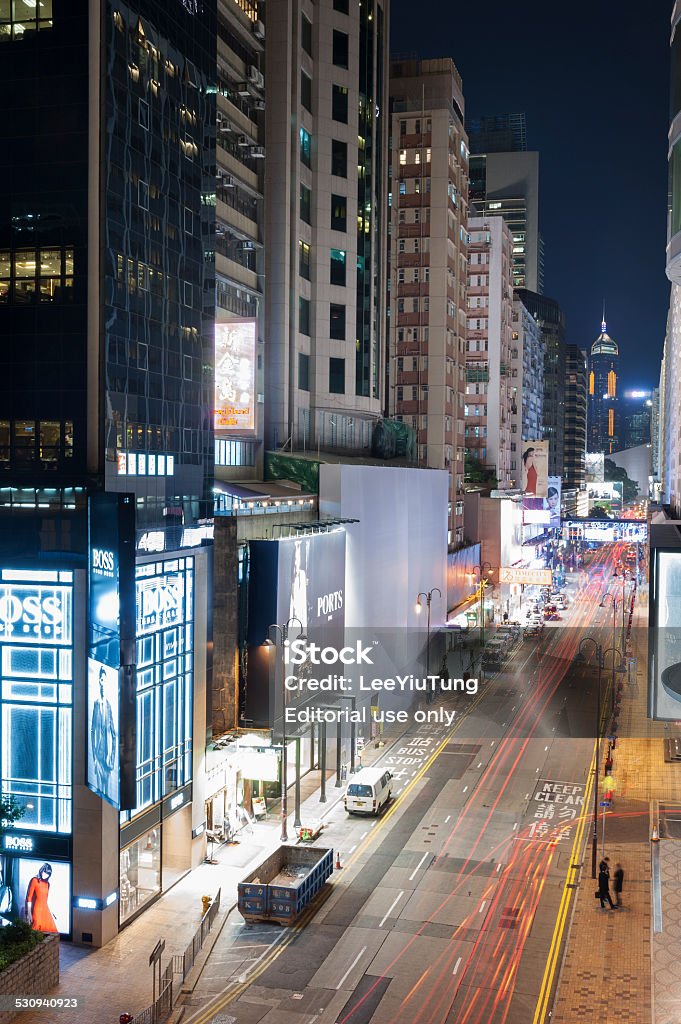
(146, 703)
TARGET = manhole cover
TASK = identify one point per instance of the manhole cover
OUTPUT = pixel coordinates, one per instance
(223, 1018)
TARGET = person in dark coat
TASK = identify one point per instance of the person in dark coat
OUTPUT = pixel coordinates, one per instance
(604, 887)
(618, 883)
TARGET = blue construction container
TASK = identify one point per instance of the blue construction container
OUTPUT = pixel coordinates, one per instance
(282, 886)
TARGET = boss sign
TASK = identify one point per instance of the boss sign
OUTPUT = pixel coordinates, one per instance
(35, 613)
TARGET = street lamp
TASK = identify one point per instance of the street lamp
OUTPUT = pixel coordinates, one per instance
(599, 656)
(283, 633)
(480, 570)
(428, 596)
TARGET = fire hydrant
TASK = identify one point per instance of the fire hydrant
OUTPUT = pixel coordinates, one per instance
(206, 901)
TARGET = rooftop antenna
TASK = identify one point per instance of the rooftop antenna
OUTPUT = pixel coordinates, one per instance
(604, 326)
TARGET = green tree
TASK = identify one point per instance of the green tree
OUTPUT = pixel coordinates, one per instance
(614, 474)
(476, 473)
(11, 811)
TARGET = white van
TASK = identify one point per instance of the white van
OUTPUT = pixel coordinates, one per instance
(369, 790)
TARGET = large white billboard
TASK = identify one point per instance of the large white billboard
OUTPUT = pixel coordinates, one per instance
(235, 376)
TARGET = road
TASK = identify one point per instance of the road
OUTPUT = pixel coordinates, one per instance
(452, 906)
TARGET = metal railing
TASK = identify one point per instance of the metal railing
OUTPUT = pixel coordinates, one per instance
(178, 964)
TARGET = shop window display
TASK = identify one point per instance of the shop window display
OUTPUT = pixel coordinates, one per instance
(140, 873)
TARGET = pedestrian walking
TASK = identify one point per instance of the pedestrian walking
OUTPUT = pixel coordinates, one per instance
(604, 887)
(618, 883)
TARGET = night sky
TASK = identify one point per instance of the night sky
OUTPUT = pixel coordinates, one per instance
(593, 81)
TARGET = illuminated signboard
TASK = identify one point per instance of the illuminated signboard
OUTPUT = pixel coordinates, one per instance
(538, 577)
(535, 468)
(235, 376)
(607, 530)
(160, 602)
(35, 613)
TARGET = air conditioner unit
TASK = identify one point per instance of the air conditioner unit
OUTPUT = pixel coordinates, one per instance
(228, 181)
(248, 246)
(259, 29)
(244, 140)
(253, 74)
(258, 152)
(259, 104)
(243, 89)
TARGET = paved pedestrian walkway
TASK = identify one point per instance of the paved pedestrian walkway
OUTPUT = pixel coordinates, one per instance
(117, 978)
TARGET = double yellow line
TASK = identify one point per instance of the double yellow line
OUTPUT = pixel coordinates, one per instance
(561, 920)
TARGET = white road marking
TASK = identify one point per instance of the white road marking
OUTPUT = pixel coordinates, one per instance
(447, 818)
(515, 826)
(411, 877)
(479, 764)
(392, 907)
(363, 835)
(352, 849)
(352, 966)
(499, 866)
(456, 966)
(465, 788)
(482, 906)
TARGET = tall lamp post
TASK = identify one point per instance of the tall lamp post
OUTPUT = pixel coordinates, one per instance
(428, 594)
(480, 569)
(599, 657)
(283, 634)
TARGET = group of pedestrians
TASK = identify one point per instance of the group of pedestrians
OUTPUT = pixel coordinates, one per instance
(603, 893)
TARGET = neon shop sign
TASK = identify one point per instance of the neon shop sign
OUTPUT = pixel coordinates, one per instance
(35, 613)
(159, 602)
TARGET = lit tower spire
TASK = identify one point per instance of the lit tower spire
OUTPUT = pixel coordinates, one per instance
(604, 326)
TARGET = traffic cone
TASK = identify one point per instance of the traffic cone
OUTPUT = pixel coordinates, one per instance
(338, 861)
(655, 838)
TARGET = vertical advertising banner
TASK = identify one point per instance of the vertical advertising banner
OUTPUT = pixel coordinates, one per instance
(235, 345)
(594, 467)
(111, 721)
(535, 469)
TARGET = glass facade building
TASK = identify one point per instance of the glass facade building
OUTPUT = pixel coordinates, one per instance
(107, 309)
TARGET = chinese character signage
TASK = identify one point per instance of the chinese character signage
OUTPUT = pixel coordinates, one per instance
(235, 376)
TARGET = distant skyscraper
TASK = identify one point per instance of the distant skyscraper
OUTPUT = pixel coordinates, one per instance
(636, 411)
(506, 184)
(428, 268)
(326, 222)
(603, 428)
(498, 133)
(574, 436)
(551, 320)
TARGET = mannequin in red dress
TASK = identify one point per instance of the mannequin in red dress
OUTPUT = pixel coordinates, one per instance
(38, 913)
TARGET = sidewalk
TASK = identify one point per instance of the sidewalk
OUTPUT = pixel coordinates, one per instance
(607, 972)
(117, 978)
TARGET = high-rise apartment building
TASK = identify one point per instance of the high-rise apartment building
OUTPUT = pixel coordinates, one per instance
(507, 185)
(325, 221)
(239, 238)
(574, 434)
(490, 402)
(527, 378)
(603, 419)
(551, 320)
(107, 297)
(497, 133)
(670, 380)
(428, 224)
